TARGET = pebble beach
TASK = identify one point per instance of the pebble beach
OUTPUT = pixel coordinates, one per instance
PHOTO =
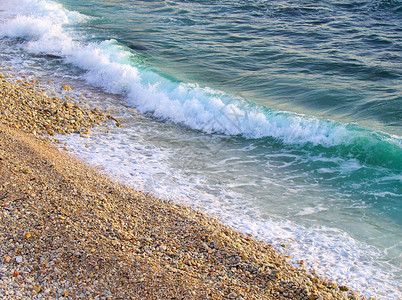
(69, 232)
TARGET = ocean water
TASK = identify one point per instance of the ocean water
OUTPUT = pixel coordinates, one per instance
(281, 118)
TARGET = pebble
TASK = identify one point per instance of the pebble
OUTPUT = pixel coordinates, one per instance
(22, 107)
(37, 288)
(162, 248)
(66, 87)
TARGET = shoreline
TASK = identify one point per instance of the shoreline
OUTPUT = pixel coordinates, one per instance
(68, 231)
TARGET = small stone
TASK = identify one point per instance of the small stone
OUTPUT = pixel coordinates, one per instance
(16, 273)
(232, 295)
(66, 87)
(29, 280)
(343, 288)
(68, 105)
(37, 288)
(332, 285)
(162, 248)
(7, 259)
(2, 75)
(18, 259)
(28, 235)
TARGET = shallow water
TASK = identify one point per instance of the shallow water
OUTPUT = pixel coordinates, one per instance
(283, 120)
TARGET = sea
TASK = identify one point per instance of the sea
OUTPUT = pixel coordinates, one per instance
(281, 118)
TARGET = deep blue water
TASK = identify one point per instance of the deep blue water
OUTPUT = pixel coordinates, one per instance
(283, 118)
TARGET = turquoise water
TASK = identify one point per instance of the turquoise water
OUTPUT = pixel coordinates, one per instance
(283, 119)
(336, 60)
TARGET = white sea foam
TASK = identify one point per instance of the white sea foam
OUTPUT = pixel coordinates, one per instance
(311, 210)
